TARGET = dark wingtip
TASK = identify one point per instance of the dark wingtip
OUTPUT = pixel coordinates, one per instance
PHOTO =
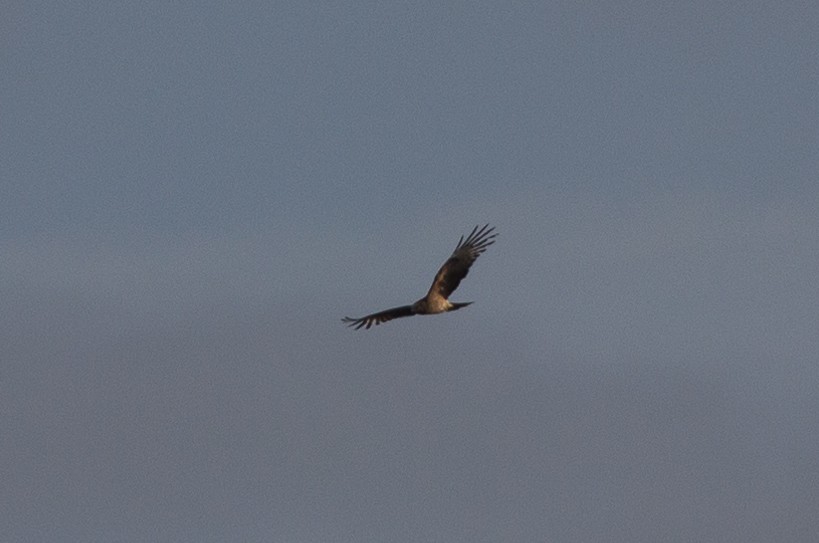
(483, 238)
(351, 322)
(458, 245)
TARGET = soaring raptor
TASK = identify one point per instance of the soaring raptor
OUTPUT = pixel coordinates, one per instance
(446, 281)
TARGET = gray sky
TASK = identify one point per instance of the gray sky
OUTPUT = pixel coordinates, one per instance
(192, 195)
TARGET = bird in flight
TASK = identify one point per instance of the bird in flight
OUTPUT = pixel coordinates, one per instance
(446, 281)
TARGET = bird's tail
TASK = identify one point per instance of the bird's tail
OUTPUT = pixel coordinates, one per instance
(458, 305)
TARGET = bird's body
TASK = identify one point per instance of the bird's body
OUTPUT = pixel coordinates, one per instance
(446, 281)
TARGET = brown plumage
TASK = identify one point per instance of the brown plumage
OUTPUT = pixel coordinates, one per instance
(446, 281)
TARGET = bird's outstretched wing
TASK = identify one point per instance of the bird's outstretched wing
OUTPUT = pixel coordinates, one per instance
(457, 266)
(378, 318)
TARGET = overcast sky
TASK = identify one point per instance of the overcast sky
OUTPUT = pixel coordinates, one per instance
(193, 194)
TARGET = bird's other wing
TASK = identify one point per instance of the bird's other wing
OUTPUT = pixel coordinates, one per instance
(378, 318)
(457, 266)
